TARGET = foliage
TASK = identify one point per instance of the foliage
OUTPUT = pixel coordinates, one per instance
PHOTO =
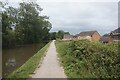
(53, 35)
(105, 35)
(29, 67)
(58, 35)
(24, 25)
(85, 59)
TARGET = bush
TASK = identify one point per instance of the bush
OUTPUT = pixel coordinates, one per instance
(86, 59)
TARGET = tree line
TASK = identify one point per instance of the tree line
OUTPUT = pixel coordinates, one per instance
(58, 35)
(25, 25)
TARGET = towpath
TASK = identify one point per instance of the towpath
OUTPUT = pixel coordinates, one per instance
(50, 67)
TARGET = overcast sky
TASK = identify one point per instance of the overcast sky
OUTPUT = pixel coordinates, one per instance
(83, 15)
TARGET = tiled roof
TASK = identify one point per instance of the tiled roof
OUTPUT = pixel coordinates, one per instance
(87, 33)
(105, 39)
(116, 30)
(68, 36)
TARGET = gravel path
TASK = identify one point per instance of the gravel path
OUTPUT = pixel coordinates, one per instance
(50, 67)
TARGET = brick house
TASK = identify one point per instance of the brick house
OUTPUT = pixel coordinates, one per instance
(75, 37)
(115, 35)
(105, 39)
(89, 35)
(67, 37)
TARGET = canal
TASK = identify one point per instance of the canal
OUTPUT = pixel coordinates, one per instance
(15, 57)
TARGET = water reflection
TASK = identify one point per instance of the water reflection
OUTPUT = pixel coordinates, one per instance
(15, 57)
(11, 62)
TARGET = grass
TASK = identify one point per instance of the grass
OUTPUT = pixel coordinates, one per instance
(61, 47)
(29, 67)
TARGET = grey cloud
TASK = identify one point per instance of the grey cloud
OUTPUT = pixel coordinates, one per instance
(74, 17)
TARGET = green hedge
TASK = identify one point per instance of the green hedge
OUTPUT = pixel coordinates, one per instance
(86, 59)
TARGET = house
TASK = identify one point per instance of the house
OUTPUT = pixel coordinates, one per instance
(75, 37)
(67, 37)
(89, 35)
(115, 35)
(105, 39)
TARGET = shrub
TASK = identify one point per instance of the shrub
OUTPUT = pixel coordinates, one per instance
(90, 59)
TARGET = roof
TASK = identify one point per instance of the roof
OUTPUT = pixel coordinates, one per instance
(68, 36)
(87, 33)
(105, 39)
(76, 35)
(116, 30)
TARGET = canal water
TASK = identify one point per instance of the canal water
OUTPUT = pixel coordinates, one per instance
(15, 57)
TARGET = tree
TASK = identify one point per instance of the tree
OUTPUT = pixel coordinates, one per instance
(60, 34)
(66, 33)
(24, 25)
(53, 35)
(34, 27)
(105, 35)
(8, 37)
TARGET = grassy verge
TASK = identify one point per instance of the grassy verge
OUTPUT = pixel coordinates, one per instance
(29, 67)
(62, 47)
(86, 59)
(66, 60)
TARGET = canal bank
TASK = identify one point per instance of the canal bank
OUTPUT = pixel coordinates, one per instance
(29, 66)
(12, 58)
(50, 66)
